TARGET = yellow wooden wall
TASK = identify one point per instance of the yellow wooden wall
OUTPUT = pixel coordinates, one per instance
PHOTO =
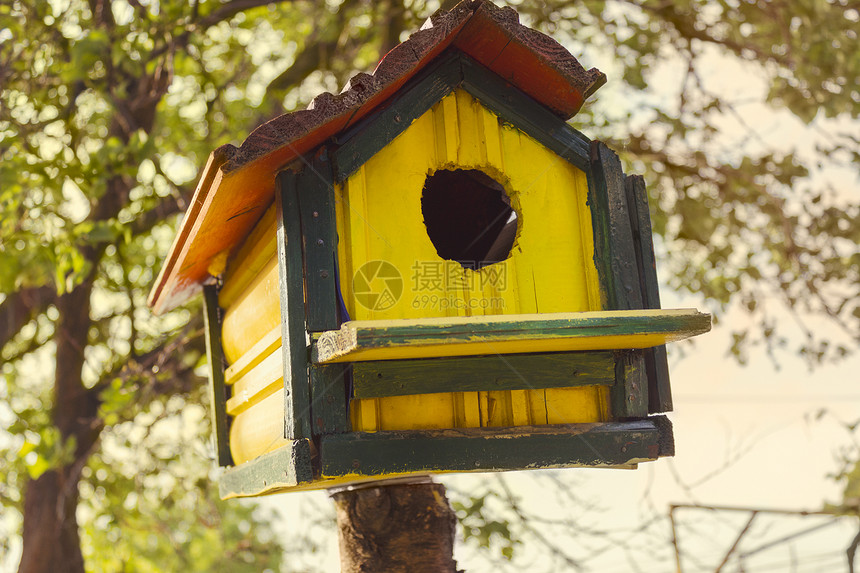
(550, 269)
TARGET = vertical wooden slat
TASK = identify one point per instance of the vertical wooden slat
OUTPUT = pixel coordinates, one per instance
(328, 399)
(656, 362)
(629, 396)
(217, 388)
(616, 258)
(294, 334)
(316, 203)
(616, 241)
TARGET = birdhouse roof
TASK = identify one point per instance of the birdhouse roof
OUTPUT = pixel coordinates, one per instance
(238, 183)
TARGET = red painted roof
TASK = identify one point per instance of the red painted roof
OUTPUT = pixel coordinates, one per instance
(237, 184)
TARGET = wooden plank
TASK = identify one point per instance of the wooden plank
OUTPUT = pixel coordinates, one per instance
(613, 232)
(217, 388)
(525, 113)
(319, 244)
(506, 334)
(294, 335)
(255, 313)
(367, 137)
(329, 391)
(259, 381)
(259, 428)
(656, 361)
(286, 467)
(249, 259)
(491, 449)
(629, 396)
(479, 373)
(268, 344)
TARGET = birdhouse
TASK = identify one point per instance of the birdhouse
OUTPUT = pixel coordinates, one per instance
(430, 271)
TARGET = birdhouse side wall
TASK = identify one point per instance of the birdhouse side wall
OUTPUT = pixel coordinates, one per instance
(249, 302)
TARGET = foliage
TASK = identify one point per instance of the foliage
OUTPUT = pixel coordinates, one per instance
(480, 527)
(155, 506)
(107, 110)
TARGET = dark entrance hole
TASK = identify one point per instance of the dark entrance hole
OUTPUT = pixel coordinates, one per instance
(469, 217)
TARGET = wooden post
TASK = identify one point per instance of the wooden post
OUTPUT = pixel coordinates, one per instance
(398, 525)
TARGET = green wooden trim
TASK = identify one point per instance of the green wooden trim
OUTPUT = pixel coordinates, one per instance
(381, 378)
(524, 113)
(364, 140)
(590, 327)
(640, 223)
(656, 361)
(599, 208)
(330, 414)
(451, 70)
(217, 387)
(629, 395)
(319, 232)
(286, 467)
(491, 449)
(613, 232)
(296, 386)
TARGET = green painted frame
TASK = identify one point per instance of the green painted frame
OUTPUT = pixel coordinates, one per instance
(285, 468)
(618, 444)
(217, 386)
(656, 362)
(381, 378)
(294, 340)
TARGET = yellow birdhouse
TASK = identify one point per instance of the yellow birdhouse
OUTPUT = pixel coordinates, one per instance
(430, 271)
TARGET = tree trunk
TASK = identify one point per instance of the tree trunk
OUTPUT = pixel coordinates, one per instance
(395, 526)
(51, 542)
(50, 529)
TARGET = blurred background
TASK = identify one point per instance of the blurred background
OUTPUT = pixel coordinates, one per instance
(743, 117)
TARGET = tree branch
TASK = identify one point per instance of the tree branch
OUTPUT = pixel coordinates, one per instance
(232, 8)
(312, 58)
(165, 208)
(21, 307)
(165, 359)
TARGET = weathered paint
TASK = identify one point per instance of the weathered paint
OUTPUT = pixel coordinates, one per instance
(482, 449)
(507, 334)
(217, 387)
(356, 457)
(512, 372)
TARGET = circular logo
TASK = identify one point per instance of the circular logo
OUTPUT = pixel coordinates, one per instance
(377, 285)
